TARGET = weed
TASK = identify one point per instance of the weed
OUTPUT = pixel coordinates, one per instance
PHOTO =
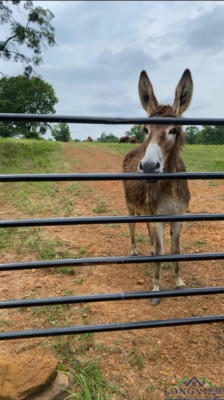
(88, 380)
(136, 358)
(63, 348)
(5, 323)
(67, 292)
(74, 188)
(123, 234)
(79, 281)
(78, 189)
(150, 388)
(148, 272)
(113, 387)
(100, 347)
(113, 225)
(82, 252)
(52, 314)
(84, 342)
(64, 270)
(200, 242)
(167, 266)
(212, 184)
(101, 206)
(142, 238)
(117, 342)
(155, 352)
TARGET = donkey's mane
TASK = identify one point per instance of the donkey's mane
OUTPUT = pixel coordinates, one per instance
(163, 111)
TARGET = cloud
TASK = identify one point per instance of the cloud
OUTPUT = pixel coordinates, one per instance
(103, 45)
(206, 31)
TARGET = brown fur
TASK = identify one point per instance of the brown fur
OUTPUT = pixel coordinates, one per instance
(133, 139)
(123, 139)
(162, 196)
(89, 139)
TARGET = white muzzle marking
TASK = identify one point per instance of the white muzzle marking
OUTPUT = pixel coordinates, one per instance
(153, 157)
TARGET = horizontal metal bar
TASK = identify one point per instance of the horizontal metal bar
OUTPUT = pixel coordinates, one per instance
(74, 330)
(109, 219)
(109, 120)
(110, 260)
(93, 298)
(109, 176)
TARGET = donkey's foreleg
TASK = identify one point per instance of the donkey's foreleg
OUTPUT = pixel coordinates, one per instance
(132, 232)
(175, 231)
(151, 234)
(133, 243)
(158, 241)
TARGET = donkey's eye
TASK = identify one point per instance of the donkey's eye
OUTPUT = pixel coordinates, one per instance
(173, 131)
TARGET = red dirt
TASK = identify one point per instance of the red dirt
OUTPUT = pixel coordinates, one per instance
(168, 354)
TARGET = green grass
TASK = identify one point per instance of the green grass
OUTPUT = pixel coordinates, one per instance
(88, 382)
(136, 358)
(204, 157)
(28, 156)
(101, 206)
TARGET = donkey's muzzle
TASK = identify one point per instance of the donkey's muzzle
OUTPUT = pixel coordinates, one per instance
(148, 167)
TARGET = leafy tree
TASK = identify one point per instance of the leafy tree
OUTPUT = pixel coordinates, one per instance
(61, 132)
(107, 138)
(20, 94)
(36, 31)
(191, 134)
(136, 131)
(207, 135)
(212, 135)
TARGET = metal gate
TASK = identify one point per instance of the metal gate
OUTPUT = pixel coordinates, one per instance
(110, 219)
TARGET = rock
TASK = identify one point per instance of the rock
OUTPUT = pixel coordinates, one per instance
(140, 282)
(56, 391)
(27, 373)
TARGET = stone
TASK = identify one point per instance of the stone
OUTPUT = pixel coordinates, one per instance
(56, 391)
(140, 281)
(26, 373)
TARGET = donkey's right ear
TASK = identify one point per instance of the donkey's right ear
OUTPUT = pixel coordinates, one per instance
(183, 93)
(146, 94)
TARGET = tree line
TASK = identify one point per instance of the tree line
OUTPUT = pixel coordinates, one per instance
(206, 135)
(194, 135)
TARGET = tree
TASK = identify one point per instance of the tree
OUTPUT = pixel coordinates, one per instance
(36, 31)
(61, 132)
(20, 94)
(136, 131)
(191, 134)
(107, 138)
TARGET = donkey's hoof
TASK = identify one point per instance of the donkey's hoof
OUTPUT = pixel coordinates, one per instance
(180, 287)
(155, 301)
(134, 254)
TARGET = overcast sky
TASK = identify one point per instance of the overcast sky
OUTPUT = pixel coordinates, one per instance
(102, 46)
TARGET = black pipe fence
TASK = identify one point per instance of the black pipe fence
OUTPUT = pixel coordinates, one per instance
(110, 219)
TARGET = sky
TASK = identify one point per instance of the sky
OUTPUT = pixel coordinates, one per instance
(102, 46)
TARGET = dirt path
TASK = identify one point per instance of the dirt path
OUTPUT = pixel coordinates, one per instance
(140, 362)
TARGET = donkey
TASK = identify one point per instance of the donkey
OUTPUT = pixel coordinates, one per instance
(133, 139)
(123, 139)
(160, 152)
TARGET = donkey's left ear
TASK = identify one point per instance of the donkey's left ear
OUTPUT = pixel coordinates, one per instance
(183, 93)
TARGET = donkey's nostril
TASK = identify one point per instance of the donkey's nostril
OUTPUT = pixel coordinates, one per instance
(157, 165)
(140, 165)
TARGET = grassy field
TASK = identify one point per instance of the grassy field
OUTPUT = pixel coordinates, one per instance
(196, 157)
